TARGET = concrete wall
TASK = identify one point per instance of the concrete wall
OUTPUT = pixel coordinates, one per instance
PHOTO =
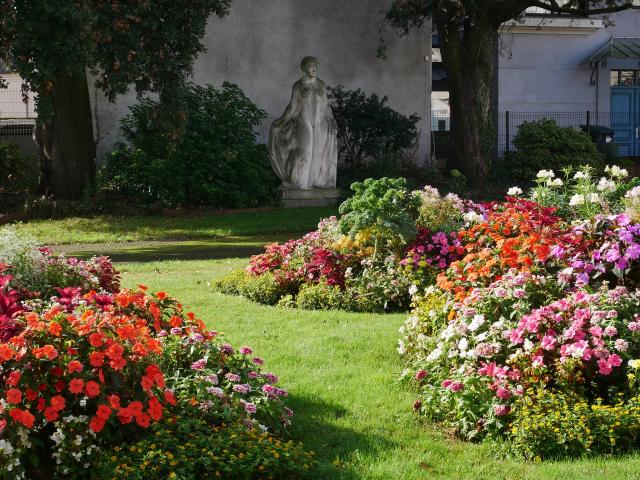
(260, 44)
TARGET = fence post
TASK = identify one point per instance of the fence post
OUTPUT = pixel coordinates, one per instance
(506, 123)
(588, 122)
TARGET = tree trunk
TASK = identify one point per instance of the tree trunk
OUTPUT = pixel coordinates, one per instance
(469, 58)
(65, 140)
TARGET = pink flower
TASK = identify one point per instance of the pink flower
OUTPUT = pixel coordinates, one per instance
(456, 386)
(503, 393)
(246, 350)
(501, 410)
(420, 374)
(548, 342)
(610, 331)
(603, 367)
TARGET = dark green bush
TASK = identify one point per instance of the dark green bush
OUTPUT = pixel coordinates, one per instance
(187, 449)
(19, 174)
(370, 133)
(211, 159)
(543, 145)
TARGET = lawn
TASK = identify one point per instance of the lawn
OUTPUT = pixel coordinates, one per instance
(341, 370)
(115, 229)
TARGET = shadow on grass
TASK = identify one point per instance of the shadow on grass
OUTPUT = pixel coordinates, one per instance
(332, 444)
(152, 251)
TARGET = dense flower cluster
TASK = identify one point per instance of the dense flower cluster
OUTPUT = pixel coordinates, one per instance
(540, 312)
(94, 365)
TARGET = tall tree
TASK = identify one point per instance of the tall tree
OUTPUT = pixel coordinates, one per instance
(468, 33)
(53, 44)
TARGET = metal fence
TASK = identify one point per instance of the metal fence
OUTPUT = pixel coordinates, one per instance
(625, 128)
(17, 111)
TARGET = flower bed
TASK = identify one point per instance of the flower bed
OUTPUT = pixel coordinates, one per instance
(521, 309)
(86, 366)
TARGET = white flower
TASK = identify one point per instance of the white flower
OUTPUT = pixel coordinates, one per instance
(576, 199)
(528, 345)
(616, 171)
(434, 355)
(605, 185)
(594, 198)
(514, 191)
(401, 348)
(556, 182)
(545, 174)
(580, 175)
(472, 217)
(463, 344)
(413, 289)
(633, 193)
(477, 321)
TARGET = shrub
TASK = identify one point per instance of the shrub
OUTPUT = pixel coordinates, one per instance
(19, 173)
(319, 297)
(369, 131)
(385, 208)
(544, 145)
(186, 449)
(551, 425)
(212, 160)
(232, 283)
(263, 289)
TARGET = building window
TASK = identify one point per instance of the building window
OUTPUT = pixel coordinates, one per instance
(625, 78)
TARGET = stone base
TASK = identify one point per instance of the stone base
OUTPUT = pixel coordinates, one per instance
(315, 197)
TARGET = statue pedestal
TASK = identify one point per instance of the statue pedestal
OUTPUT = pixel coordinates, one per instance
(314, 197)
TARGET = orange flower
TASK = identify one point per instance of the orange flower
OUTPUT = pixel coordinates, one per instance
(6, 352)
(48, 351)
(175, 321)
(96, 339)
(161, 295)
(55, 329)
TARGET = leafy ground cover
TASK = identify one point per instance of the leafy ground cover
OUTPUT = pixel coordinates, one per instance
(109, 228)
(341, 369)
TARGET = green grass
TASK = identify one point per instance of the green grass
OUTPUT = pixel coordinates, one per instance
(341, 370)
(113, 229)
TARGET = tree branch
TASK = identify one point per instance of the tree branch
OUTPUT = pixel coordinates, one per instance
(553, 7)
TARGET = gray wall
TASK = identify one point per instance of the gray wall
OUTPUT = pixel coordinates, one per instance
(260, 44)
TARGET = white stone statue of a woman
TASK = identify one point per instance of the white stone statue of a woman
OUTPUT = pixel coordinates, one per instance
(303, 144)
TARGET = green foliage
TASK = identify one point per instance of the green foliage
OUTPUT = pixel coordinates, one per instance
(370, 130)
(213, 160)
(320, 297)
(549, 425)
(19, 173)
(232, 283)
(544, 145)
(187, 448)
(262, 289)
(126, 42)
(383, 207)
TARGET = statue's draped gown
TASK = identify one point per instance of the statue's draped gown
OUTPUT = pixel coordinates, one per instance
(303, 145)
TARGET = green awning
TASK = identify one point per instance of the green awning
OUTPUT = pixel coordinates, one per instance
(620, 48)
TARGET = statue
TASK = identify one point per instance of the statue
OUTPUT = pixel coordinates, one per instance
(303, 144)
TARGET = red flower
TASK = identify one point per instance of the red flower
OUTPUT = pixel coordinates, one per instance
(143, 420)
(74, 366)
(6, 353)
(55, 329)
(14, 395)
(169, 397)
(76, 386)
(96, 359)
(48, 351)
(97, 424)
(96, 339)
(51, 414)
(56, 371)
(92, 389)
(14, 378)
(24, 417)
(31, 395)
(114, 401)
(103, 412)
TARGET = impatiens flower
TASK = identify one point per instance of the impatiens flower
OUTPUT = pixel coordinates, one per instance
(92, 389)
(420, 374)
(74, 366)
(13, 395)
(76, 385)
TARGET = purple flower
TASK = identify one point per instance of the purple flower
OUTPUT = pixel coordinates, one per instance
(250, 408)
(213, 379)
(232, 377)
(271, 378)
(257, 360)
(243, 388)
(226, 349)
(217, 391)
(176, 331)
(501, 410)
(246, 350)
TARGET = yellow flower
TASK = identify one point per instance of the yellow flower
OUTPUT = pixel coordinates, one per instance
(634, 363)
